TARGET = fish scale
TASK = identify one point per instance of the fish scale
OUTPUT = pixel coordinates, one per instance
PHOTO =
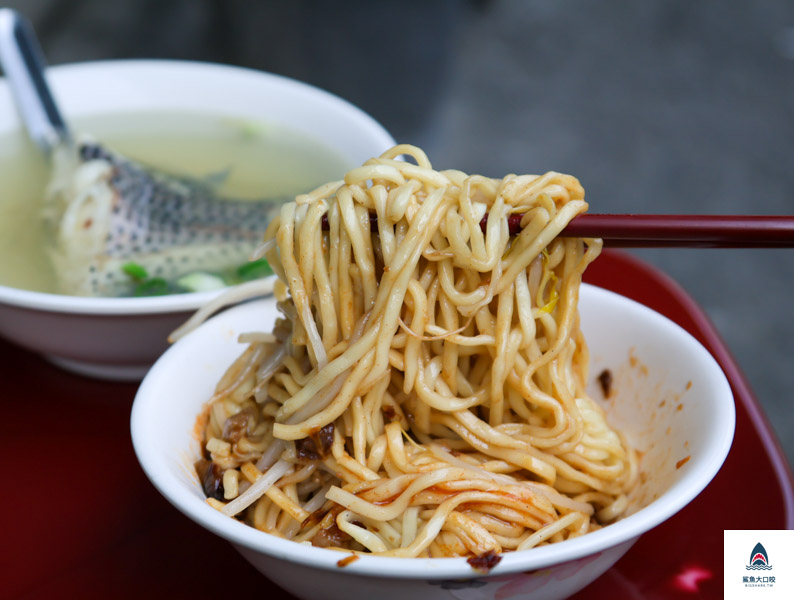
(170, 225)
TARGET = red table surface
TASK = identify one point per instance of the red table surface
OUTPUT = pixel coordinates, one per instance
(80, 519)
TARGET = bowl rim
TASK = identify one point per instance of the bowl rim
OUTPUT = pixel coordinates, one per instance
(691, 483)
(99, 306)
(172, 303)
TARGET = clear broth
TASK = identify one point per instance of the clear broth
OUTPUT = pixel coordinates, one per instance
(253, 160)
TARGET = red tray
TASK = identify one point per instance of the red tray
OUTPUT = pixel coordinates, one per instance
(80, 519)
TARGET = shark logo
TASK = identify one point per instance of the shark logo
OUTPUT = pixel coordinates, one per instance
(758, 559)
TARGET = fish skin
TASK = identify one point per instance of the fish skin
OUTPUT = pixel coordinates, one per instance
(170, 225)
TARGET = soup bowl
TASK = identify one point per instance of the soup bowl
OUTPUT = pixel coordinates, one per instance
(668, 396)
(119, 338)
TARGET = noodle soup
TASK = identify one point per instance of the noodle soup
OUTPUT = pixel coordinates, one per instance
(238, 158)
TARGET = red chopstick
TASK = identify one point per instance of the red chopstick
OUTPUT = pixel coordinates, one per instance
(685, 231)
(669, 231)
(677, 231)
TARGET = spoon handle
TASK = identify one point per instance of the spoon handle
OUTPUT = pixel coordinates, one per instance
(23, 65)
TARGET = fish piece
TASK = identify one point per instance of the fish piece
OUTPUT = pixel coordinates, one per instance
(104, 211)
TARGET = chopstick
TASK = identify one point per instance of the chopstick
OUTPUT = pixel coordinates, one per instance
(685, 231)
(668, 231)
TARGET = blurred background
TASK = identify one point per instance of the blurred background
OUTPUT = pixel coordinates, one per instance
(658, 107)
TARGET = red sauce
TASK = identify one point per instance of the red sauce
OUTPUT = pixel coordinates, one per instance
(201, 425)
(346, 561)
(682, 462)
(388, 500)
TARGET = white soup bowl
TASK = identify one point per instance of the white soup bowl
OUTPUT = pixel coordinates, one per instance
(119, 338)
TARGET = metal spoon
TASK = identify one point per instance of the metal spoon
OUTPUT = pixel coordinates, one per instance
(23, 64)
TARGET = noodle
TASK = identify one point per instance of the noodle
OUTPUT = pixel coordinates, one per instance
(424, 392)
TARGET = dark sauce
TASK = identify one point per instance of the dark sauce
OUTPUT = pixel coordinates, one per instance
(331, 537)
(483, 563)
(605, 380)
(324, 439)
(236, 426)
(313, 518)
(211, 478)
(306, 449)
(389, 412)
(317, 445)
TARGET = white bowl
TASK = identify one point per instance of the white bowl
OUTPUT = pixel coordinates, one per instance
(656, 366)
(120, 338)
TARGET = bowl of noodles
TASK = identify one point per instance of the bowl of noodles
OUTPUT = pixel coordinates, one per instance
(158, 203)
(429, 406)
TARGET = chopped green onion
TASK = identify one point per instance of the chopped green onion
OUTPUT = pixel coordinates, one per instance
(134, 270)
(156, 286)
(254, 270)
